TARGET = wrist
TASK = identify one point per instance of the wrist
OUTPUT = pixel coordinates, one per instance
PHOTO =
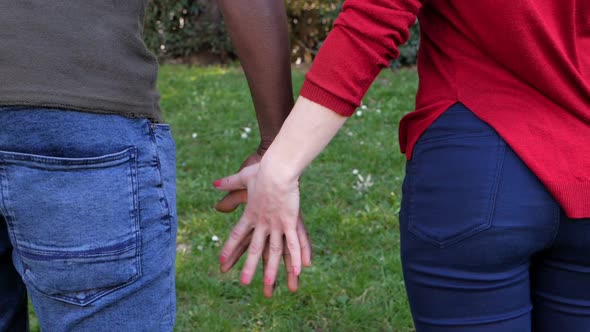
(265, 142)
(282, 170)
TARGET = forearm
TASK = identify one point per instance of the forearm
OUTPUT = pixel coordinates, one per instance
(364, 40)
(258, 29)
(306, 132)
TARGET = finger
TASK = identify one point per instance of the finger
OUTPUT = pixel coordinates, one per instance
(292, 279)
(304, 242)
(232, 200)
(236, 181)
(267, 290)
(275, 251)
(294, 249)
(254, 252)
(236, 254)
(237, 234)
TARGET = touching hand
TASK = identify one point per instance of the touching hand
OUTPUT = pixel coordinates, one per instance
(271, 223)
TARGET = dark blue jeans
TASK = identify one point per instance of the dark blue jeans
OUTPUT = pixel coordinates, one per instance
(484, 246)
(88, 221)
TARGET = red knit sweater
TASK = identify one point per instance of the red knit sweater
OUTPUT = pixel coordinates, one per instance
(522, 66)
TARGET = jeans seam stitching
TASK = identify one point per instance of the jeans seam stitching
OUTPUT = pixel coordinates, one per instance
(161, 191)
(555, 231)
(501, 150)
(133, 169)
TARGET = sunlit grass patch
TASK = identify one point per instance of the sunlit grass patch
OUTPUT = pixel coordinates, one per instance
(355, 283)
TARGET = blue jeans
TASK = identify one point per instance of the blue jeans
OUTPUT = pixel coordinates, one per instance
(484, 246)
(89, 221)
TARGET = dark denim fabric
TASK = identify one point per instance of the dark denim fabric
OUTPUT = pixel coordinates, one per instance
(89, 204)
(484, 246)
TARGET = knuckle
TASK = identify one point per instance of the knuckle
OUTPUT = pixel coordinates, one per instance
(292, 244)
(276, 249)
(235, 235)
(225, 253)
(255, 249)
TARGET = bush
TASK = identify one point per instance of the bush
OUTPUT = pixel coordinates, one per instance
(309, 24)
(408, 53)
(181, 28)
(186, 28)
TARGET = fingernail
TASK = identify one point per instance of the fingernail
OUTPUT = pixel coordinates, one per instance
(222, 259)
(295, 271)
(245, 279)
(217, 183)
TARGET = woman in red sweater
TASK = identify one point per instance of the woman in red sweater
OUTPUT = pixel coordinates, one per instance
(495, 215)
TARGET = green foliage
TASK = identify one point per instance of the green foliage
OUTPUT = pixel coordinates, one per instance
(310, 21)
(183, 28)
(180, 28)
(408, 53)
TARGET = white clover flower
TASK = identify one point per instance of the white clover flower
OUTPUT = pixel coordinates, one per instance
(247, 130)
(363, 184)
(244, 135)
(359, 113)
(200, 248)
(194, 135)
(378, 111)
(214, 238)
(364, 107)
(183, 248)
(355, 171)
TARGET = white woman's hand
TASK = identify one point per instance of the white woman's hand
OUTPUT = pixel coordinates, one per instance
(271, 221)
(272, 212)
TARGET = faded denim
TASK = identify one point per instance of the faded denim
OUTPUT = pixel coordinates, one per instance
(89, 206)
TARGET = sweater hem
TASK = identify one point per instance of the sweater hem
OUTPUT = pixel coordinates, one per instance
(574, 198)
(81, 103)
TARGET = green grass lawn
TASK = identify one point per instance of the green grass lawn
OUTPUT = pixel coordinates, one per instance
(355, 283)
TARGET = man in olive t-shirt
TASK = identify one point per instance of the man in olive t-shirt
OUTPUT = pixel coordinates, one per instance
(87, 180)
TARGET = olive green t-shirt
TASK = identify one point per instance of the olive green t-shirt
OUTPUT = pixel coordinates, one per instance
(85, 55)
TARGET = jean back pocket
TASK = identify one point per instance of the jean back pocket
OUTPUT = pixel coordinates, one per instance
(73, 221)
(452, 179)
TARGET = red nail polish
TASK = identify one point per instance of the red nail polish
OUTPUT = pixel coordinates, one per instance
(217, 183)
(295, 271)
(244, 279)
(222, 259)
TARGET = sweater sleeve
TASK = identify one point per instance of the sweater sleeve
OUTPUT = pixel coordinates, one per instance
(364, 40)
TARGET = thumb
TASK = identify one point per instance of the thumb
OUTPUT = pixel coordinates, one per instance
(236, 181)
